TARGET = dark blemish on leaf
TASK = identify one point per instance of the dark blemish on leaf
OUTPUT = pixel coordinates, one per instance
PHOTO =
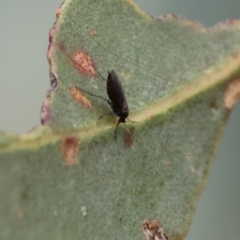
(153, 231)
(83, 62)
(70, 149)
(129, 137)
(232, 94)
(213, 105)
(189, 155)
(45, 114)
(78, 95)
(53, 81)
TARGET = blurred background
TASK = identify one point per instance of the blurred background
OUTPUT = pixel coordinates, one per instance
(24, 80)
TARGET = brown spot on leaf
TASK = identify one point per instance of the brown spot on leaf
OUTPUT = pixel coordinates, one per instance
(153, 231)
(53, 81)
(83, 62)
(129, 137)
(78, 95)
(213, 105)
(189, 155)
(70, 148)
(232, 94)
(20, 214)
(93, 32)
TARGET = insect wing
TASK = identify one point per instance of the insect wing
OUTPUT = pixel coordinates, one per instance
(115, 91)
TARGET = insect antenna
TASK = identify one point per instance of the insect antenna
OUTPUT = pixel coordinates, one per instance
(105, 115)
(93, 94)
(100, 75)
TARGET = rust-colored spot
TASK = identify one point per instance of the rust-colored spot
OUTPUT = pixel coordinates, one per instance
(232, 94)
(20, 214)
(153, 231)
(93, 32)
(78, 95)
(70, 148)
(129, 137)
(83, 62)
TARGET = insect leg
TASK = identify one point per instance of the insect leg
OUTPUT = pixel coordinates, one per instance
(131, 120)
(105, 115)
(116, 130)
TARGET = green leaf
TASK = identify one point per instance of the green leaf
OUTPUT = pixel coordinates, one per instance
(70, 179)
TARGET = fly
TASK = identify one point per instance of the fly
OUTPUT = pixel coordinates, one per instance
(117, 99)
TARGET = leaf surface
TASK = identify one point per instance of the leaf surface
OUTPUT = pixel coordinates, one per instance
(70, 179)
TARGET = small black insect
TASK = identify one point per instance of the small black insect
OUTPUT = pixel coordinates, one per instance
(117, 99)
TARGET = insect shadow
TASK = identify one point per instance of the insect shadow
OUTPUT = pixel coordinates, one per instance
(117, 99)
